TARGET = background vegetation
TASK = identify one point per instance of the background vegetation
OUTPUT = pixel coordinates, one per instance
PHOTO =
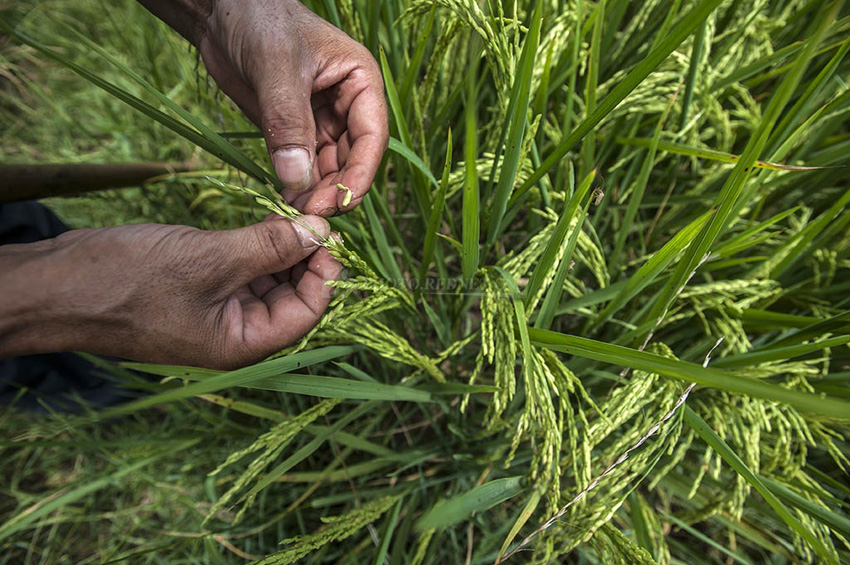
(570, 228)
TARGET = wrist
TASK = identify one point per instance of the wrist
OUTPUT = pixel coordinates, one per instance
(187, 17)
(41, 307)
(22, 299)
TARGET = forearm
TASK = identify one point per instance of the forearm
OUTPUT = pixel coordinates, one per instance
(54, 296)
(28, 323)
(187, 17)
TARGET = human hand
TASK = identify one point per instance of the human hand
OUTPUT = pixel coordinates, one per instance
(316, 94)
(168, 294)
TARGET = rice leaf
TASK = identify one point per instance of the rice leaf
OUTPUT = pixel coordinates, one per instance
(68, 495)
(436, 215)
(478, 499)
(516, 123)
(682, 30)
(722, 449)
(544, 266)
(471, 195)
(401, 149)
(422, 198)
(705, 153)
(689, 372)
(239, 377)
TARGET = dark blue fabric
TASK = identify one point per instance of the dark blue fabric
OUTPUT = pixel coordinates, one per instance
(53, 378)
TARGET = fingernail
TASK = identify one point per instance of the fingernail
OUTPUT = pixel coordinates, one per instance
(294, 168)
(327, 212)
(311, 230)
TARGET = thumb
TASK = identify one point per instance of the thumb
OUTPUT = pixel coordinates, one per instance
(288, 124)
(276, 245)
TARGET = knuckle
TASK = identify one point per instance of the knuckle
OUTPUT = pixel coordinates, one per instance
(275, 247)
(290, 132)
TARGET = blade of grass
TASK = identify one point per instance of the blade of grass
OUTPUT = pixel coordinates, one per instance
(721, 448)
(239, 377)
(67, 496)
(637, 194)
(436, 214)
(837, 323)
(765, 319)
(223, 148)
(543, 268)
(401, 149)
(689, 372)
(705, 153)
(705, 539)
(422, 198)
(522, 519)
(834, 520)
(178, 127)
(742, 241)
(553, 296)
(335, 387)
(376, 230)
(680, 31)
(693, 72)
(478, 499)
(766, 355)
(413, 68)
(387, 533)
(588, 147)
(471, 191)
(517, 119)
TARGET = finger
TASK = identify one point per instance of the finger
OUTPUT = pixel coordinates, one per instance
(283, 92)
(367, 132)
(294, 310)
(262, 285)
(273, 246)
(230, 83)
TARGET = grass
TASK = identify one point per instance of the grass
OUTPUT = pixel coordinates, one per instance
(586, 207)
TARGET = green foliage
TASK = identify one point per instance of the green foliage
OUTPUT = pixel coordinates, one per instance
(595, 307)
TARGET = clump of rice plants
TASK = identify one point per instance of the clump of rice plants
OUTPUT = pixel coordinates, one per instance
(595, 310)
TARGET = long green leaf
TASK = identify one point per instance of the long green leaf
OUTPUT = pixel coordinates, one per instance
(335, 387)
(730, 195)
(401, 149)
(221, 147)
(477, 499)
(239, 377)
(728, 455)
(682, 30)
(769, 354)
(68, 496)
(689, 372)
(471, 234)
(835, 520)
(544, 266)
(517, 121)
(436, 214)
(422, 198)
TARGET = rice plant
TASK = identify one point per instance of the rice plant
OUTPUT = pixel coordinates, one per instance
(596, 305)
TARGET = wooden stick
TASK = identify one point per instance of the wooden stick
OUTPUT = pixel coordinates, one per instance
(31, 182)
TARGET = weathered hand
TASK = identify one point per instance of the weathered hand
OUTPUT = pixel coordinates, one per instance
(168, 294)
(316, 94)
